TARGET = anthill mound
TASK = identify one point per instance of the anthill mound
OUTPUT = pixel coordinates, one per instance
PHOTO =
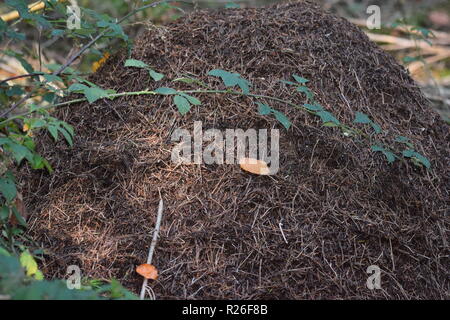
(310, 231)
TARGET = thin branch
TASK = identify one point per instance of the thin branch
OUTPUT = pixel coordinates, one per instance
(20, 76)
(153, 244)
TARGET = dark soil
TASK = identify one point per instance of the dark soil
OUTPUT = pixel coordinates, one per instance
(341, 206)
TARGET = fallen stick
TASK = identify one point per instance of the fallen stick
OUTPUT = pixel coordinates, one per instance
(399, 43)
(442, 38)
(417, 65)
(153, 244)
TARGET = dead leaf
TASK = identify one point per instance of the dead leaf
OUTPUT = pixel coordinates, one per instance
(97, 64)
(254, 166)
(20, 208)
(148, 271)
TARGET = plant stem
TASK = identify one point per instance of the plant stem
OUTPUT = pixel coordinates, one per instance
(147, 92)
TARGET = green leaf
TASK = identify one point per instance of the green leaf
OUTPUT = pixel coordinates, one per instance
(283, 119)
(409, 59)
(28, 142)
(232, 5)
(77, 87)
(47, 165)
(401, 139)
(4, 214)
(57, 32)
(424, 31)
(95, 93)
(415, 155)
(306, 91)
(166, 91)
(20, 6)
(37, 162)
(116, 29)
(423, 160)
(361, 118)
(11, 271)
(8, 187)
(327, 117)
(289, 82)
(182, 104)
(36, 123)
(3, 251)
(53, 131)
(155, 75)
(191, 99)
(264, 109)
(300, 79)
(136, 63)
(68, 127)
(388, 154)
(16, 35)
(67, 136)
(51, 78)
(404, 140)
(408, 153)
(231, 79)
(18, 151)
(375, 127)
(15, 91)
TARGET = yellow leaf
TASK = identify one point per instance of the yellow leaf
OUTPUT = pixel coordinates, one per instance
(254, 166)
(27, 261)
(148, 271)
(97, 64)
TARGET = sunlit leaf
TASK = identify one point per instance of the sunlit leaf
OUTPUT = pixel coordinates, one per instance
(27, 261)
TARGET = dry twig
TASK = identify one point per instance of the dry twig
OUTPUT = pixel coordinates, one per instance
(152, 247)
